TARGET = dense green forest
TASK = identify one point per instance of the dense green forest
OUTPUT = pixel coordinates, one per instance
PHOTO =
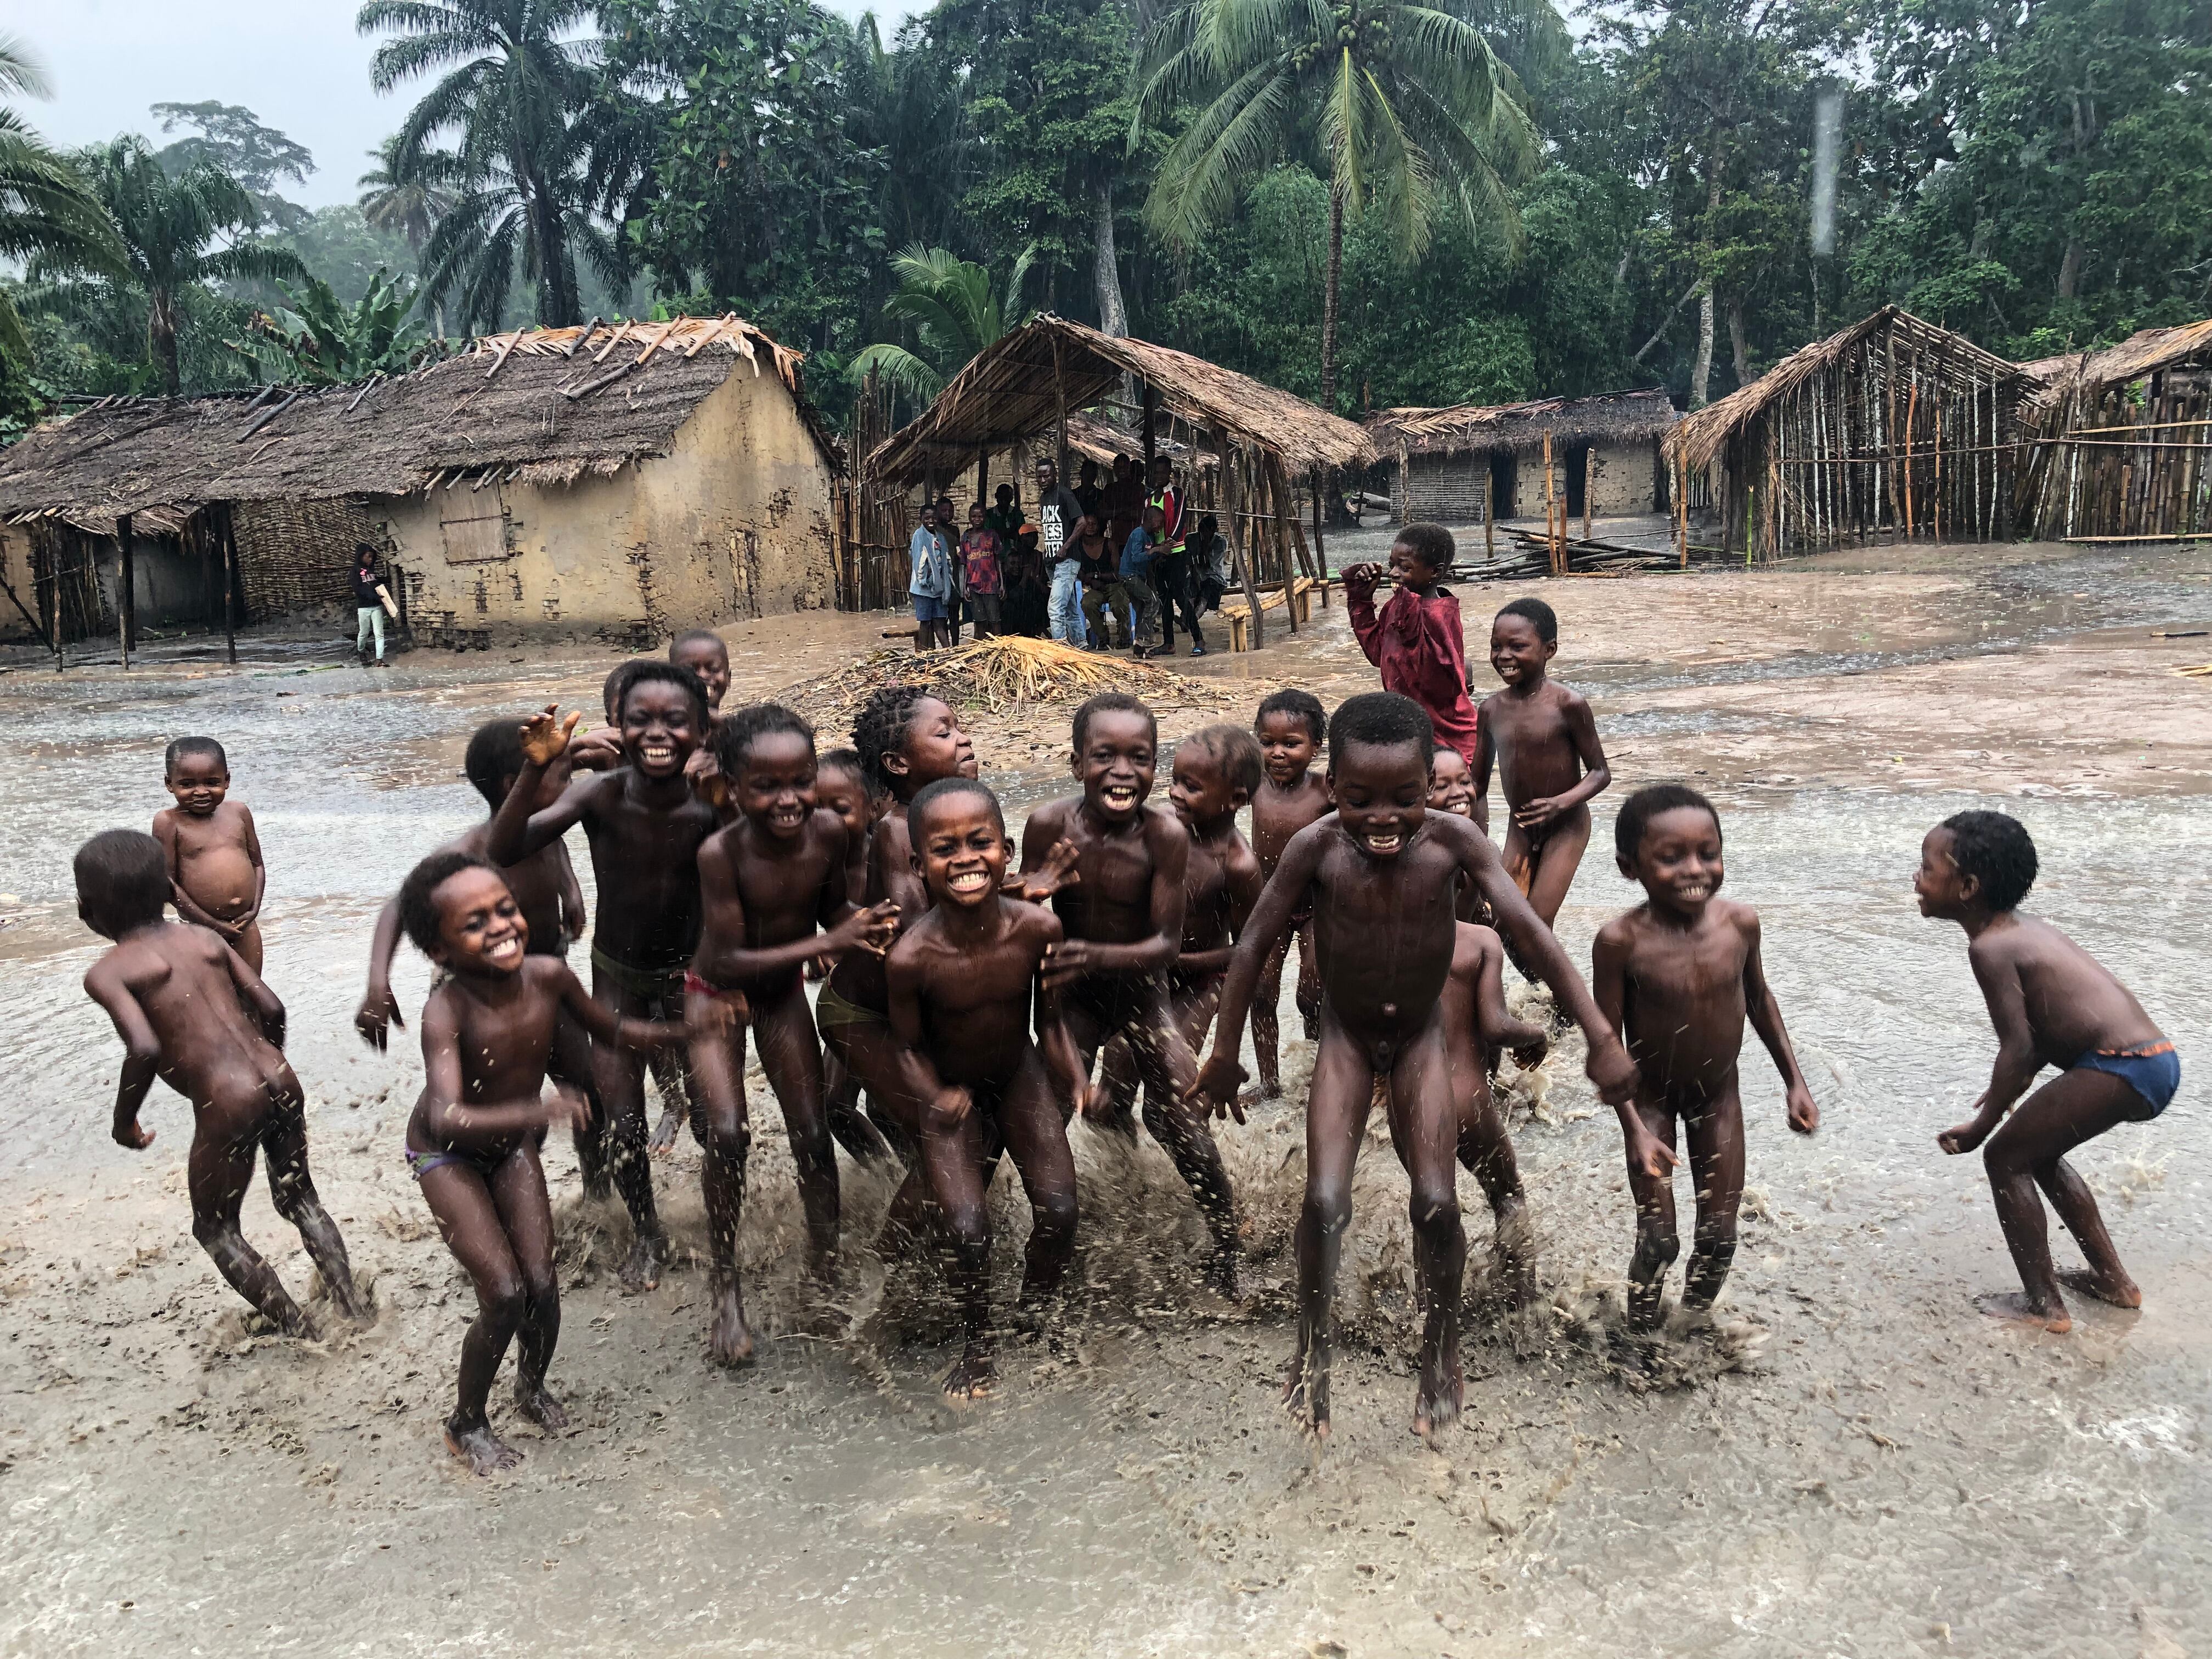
(1370, 203)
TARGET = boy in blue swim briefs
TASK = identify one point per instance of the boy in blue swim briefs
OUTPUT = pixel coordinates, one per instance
(2052, 1004)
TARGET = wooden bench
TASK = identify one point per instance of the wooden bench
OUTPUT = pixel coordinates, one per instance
(1238, 615)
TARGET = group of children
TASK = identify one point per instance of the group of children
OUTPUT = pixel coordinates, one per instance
(979, 1008)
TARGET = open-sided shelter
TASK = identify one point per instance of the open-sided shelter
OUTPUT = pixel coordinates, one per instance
(2117, 439)
(1473, 463)
(620, 480)
(1893, 427)
(1034, 381)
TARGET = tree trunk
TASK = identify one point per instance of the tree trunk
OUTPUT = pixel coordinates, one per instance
(162, 340)
(1330, 299)
(1701, 369)
(2069, 268)
(1737, 348)
(1106, 273)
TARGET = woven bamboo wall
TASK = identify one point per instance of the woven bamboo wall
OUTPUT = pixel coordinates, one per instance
(295, 556)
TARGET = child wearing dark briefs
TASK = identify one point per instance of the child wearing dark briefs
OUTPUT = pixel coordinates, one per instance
(191, 1011)
(544, 885)
(1123, 914)
(1289, 726)
(472, 1141)
(963, 981)
(216, 877)
(1211, 779)
(1380, 874)
(1678, 975)
(1550, 763)
(2052, 1003)
(842, 786)
(773, 888)
(645, 826)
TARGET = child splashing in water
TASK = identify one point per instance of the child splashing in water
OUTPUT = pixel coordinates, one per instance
(1678, 975)
(1381, 873)
(2054, 1004)
(473, 1141)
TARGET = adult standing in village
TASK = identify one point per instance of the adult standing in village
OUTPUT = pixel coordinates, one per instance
(369, 598)
(1057, 511)
(1089, 492)
(1167, 571)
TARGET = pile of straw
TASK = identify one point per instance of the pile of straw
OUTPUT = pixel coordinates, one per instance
(990, 674)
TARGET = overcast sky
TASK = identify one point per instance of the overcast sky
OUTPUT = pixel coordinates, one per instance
(297, 64)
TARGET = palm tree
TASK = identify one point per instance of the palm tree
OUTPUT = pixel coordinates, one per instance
(955, 314)
(1411, 107)
(514, 86)
(408, 193)
(177, 232)
(48, 214)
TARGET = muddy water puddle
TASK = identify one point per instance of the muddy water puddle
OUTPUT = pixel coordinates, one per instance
(1851, 1461)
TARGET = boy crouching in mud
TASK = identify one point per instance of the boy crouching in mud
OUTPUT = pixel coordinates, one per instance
(1382, 873)
(2052, 1004)
(191, 1011)
(1678, 975)
(473, 1141)
(962, 981)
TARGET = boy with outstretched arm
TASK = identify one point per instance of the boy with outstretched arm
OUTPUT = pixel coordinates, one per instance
(1289, 726)
(191, 1011)
(216, 877)
(1678, 975)
(1550, 763)
(1123, 914)
(1213, 775)
(1381, 873)
(488, 1031)
(962, 981)
(773, 890)
(544, 885)
(2053, 1005)
(645, 826)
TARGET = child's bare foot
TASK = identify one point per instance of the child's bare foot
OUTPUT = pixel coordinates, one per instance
(640, 1269)
(1266, 1088)
(2016, 1308)
(2121, 1292)
(729, 1339)
(484, 1452)
(973, 1377)
(1443, 1391)
(663, 1140)
(1517, 1265)
(541, 1408)
(1221, 1269)
(1305, 1390)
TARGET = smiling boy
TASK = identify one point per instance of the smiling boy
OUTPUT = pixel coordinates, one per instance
(1416, 642)
(1381, 872)
(1124, 917)
(1678, 975)
(644, 826)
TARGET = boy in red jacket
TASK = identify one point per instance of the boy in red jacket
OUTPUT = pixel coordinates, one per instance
(1416, 640)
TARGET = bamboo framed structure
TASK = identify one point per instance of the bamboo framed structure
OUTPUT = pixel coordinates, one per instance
(2118, 443)
(1892, 428)
(1253, 439)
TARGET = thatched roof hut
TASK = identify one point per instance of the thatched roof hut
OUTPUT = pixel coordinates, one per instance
(515, 429)
(1892, 427)
(1459, 464)
(1035, 382)
(2117, 438)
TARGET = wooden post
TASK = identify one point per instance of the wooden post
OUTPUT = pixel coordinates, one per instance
(1060, 398)
(1232, 462)
(126, 588)
(1319, 552)
(1683, 508)
(1147, 398)
(1278, 487)
(1550, 528)
(197, 528)
(1489, 519)
(983, 477)
(230, 586)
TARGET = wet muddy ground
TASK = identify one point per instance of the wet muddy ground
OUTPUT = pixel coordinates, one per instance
(1851, 1461)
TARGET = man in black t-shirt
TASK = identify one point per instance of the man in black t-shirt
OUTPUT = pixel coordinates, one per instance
(1057, 512)
(368, 602)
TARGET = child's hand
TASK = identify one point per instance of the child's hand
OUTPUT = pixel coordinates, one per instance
(702, 770)
(1965, 1138)
(1804, 1111)
(715, 1016)
(1069, 959)
(1360, 581)
(1218, 1080)
(1535, 814)
(874, 930)
(128, 1133)
(1058, 870)
(378, 1013)
(1530, 1055)
(1614, 1074)
(1649, 1156)
(598, 750)
(567, 1109)
(545, 736)
(949, 1109)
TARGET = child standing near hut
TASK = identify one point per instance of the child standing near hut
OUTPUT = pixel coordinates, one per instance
(930, 585)
(216, 877)
(1415, 642)
(1550, 762)
(982, 550)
